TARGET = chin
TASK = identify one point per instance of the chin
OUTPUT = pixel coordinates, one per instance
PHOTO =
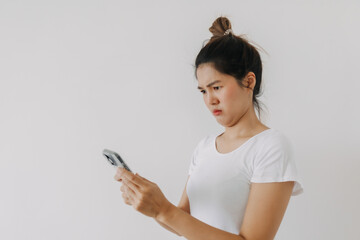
(225, 123)
(222, 123)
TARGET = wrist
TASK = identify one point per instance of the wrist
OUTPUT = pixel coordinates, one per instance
(167, 211)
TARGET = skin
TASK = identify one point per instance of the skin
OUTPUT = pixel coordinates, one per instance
(267, 202)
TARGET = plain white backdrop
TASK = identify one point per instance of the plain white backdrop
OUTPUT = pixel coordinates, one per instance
(80, 76)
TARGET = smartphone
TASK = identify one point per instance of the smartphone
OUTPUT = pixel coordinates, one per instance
(115, 159)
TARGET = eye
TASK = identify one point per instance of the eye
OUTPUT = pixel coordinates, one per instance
(202, 91)
(217, 88)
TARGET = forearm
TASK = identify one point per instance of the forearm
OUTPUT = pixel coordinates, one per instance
(191, 228)
(167, 227)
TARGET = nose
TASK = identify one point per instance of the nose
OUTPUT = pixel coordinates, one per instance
(212, 99)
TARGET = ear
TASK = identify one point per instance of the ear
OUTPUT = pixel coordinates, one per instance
(250, 80)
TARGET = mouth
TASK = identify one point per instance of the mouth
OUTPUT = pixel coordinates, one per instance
(217, 112)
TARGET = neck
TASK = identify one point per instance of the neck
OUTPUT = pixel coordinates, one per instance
(247, 126)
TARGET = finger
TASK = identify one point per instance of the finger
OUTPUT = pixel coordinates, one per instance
(132, 193)
(135, 179)
(122, 188)
(117, 176)
(120, 171)
(126, 199)
(132, 186)
(126, 189)
(142, 178)
(128, 193)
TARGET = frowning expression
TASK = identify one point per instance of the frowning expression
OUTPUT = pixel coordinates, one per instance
(222, 92)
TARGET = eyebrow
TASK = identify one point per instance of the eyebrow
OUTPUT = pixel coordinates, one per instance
(210, 84)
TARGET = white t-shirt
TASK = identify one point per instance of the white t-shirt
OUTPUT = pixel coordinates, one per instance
(219, 183)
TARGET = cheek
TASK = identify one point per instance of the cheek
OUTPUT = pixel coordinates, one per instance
(234, 98)
(231, 95)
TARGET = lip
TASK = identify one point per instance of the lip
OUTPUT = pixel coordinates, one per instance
(217, 112)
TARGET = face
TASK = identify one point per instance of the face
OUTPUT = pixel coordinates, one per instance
(222, 92)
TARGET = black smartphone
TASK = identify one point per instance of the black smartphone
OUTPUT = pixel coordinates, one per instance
(115, 159)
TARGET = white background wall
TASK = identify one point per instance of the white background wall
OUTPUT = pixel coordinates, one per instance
(80, 76)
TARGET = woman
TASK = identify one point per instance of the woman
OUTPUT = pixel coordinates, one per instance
(240, 182)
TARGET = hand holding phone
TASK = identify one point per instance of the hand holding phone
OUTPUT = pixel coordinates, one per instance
(115, 159)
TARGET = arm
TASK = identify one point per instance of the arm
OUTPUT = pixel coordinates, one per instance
(267, 201)
(183, 205)
(191, 228)
(167, 227)
(265, 209)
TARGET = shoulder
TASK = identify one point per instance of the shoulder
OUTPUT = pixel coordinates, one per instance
(206, 141)
(274, 145)
(203, 144)
(275, 139)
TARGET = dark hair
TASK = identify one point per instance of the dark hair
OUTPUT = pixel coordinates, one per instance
(232, 55)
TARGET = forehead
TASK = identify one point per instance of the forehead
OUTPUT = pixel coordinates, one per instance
(206, 74)
(206, 70)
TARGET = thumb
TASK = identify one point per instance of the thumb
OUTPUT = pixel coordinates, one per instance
(137, 174)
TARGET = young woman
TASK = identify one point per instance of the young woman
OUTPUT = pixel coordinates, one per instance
(240, 182)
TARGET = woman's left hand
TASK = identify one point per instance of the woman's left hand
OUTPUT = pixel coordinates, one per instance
(144, 195)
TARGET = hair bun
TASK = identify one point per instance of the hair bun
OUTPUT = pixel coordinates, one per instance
(219, 27)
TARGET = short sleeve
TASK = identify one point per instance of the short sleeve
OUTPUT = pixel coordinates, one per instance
(274, 162)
